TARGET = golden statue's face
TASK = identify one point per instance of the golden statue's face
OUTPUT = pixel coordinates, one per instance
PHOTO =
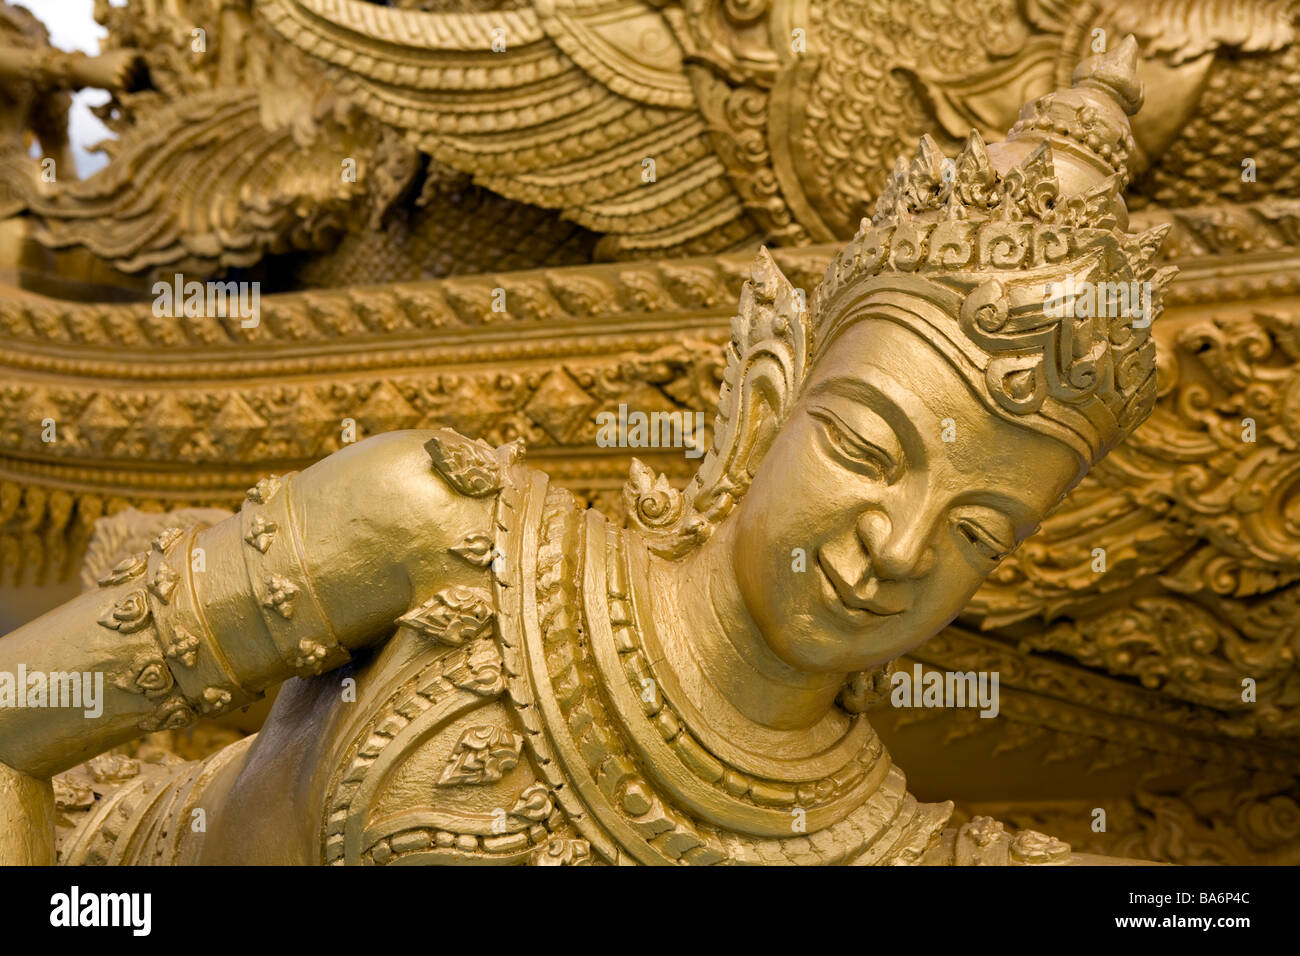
(903, 492)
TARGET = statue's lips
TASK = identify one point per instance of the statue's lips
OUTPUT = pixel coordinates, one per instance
(846, 602)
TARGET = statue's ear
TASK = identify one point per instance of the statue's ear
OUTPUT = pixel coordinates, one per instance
(767, 359)
(765, 405)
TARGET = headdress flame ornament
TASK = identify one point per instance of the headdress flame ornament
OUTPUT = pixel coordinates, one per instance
(973, 255)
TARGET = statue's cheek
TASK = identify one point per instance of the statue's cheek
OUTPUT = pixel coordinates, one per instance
(785, 489)
(948, 589)
(827, 494)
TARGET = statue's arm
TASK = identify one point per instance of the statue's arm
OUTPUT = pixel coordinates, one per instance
(315, 565)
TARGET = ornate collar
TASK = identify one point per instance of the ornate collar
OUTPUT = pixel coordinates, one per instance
(636, 769)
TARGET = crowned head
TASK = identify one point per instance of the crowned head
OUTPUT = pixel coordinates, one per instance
(1013, 261)
(978, 346)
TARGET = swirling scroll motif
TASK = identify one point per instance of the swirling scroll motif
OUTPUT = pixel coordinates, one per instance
(1205, 499)
(766, 362)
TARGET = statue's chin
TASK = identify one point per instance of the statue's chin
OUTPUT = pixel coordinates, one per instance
(830, 646)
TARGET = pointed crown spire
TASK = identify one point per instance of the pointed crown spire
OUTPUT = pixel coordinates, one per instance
(1043, 299)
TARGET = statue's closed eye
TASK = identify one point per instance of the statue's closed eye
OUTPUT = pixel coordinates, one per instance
(860, 454)
(984, 543)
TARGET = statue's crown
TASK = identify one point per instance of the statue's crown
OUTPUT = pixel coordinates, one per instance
(1042, 299)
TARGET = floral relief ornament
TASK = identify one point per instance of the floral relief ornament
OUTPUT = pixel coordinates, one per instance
(310, 656)
(145, 675)
(483, 755)
(562, 852)
(480, 670)
(264, 490)
(452, 616)
(472, 467)
(215, 700)
(166, 538)
(163, 581)
(281, 597)
(182, 646)
(476, 548)
(534, 804)
(129, 615)
(261, 533)
(172, 714)
(126, 569)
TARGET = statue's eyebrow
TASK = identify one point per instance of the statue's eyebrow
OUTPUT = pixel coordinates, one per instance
(1016, 511)
(898, 404)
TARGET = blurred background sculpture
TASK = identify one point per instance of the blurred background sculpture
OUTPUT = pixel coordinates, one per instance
(455, 205)
(35, 79)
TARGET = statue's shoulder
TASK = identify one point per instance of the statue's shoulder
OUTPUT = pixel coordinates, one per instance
(437, 768)
(468, 467)
(415, 485)
(472, 467)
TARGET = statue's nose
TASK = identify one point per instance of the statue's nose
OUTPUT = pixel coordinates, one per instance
(897, 550)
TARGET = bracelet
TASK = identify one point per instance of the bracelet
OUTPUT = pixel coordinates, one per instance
(185, 673)
(291, 608)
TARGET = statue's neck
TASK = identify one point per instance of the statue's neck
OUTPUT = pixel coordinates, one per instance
(718, 654)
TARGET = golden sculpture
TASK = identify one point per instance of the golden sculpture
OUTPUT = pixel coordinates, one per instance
(34, 83)
(36, 78)
(1143, 637)
(559, 690)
